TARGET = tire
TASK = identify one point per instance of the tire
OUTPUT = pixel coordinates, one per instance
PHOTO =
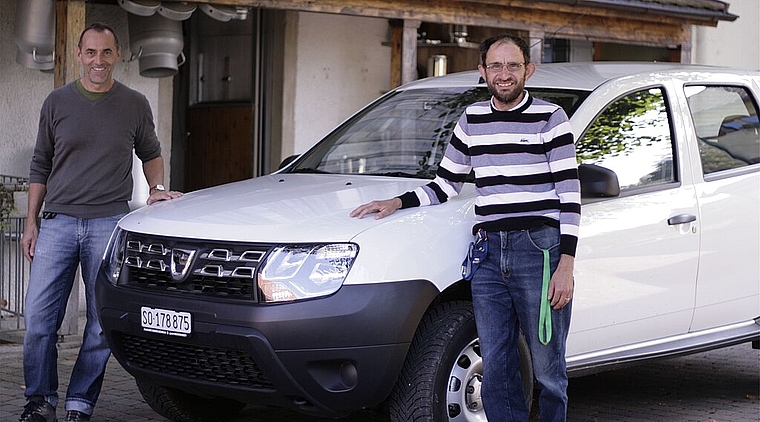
(440, 379)
(180, 406)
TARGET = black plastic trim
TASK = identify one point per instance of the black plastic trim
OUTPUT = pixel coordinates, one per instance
(327, 356)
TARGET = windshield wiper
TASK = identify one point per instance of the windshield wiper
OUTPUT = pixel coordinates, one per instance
(395, 174)
(309, 170)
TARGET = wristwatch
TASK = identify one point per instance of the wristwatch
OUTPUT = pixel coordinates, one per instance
(159, 188)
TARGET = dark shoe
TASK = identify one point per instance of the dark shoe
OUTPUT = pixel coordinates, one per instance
(38, 411)
(77, 416)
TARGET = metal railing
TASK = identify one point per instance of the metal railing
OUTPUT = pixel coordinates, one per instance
(14, 273)
(14, 269)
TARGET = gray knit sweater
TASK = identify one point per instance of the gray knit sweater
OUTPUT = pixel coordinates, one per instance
(526, 173)
(84, 149)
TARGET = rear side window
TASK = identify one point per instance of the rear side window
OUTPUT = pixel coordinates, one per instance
(726, 121)
(632, 137)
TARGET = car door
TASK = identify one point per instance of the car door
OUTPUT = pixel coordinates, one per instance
(727, 133)
(636, 264)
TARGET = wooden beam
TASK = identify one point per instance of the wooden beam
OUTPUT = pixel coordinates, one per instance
(69, 23)
(397, 35)
(536, 43)
(556, 20)
(403, 51)
(685, 46)
(409, 51)
(419, 8)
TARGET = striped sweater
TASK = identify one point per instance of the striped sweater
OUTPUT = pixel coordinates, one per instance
(526, 174)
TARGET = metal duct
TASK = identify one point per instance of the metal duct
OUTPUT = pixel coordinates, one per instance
(34, 34)
(177, 11)
(156, 42)
(140, 7)
(224, 13)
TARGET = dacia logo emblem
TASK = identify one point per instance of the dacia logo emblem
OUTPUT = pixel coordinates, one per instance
(181, 261)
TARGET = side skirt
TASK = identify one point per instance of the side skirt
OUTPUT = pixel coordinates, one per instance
(685, 344)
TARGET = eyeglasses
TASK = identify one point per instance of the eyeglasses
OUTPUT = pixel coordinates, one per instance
(498, 67)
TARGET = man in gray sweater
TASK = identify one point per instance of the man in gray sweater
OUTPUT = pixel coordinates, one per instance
(82, 171)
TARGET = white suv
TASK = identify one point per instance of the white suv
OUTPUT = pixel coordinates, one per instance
(265, 291)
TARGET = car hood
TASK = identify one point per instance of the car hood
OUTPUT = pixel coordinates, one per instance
(273, 208)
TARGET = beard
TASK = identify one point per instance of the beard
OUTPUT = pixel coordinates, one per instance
(506, 97)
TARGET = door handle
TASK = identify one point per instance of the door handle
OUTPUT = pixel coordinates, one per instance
(681, 219)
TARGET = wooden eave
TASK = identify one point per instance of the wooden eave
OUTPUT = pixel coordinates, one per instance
(708, 12)
(693, 12)
(594, 20)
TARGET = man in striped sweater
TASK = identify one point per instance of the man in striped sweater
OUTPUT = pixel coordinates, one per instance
(528, 209)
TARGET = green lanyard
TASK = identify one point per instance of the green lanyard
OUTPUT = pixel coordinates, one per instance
(545, 317)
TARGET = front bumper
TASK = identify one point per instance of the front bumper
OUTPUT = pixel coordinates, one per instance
(327, 356)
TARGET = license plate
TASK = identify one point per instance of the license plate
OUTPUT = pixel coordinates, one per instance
(164, 321)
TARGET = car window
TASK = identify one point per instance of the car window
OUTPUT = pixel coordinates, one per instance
(405, 133)
(632, 137)
(726, 121)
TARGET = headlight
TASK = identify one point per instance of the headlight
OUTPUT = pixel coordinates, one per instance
(295, 272)
(114, 255)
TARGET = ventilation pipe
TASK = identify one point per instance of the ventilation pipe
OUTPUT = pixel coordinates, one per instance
(34, 34)
(224, 13)
(140, 7)
(176, 11)
(156, 42)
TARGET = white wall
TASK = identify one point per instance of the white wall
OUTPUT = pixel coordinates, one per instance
(340, 65)
(22, 91)
(581, 51)
(733, 44)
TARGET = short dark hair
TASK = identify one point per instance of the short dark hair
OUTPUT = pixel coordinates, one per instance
(518, 41)
(99, 27)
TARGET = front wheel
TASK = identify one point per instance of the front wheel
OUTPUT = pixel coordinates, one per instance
(442, 374)
(180, 406)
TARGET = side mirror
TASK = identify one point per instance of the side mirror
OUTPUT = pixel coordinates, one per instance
(286, 162)
(598, 182)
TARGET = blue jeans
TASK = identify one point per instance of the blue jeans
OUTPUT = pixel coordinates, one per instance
(506, 293)
(64, 242)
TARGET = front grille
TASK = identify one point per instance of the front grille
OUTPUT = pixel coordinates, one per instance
(210, 364)
(207, 268)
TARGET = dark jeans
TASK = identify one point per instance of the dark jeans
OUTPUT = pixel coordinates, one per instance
(506, 292)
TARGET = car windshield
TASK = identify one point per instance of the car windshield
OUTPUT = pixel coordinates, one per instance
(405, 133)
